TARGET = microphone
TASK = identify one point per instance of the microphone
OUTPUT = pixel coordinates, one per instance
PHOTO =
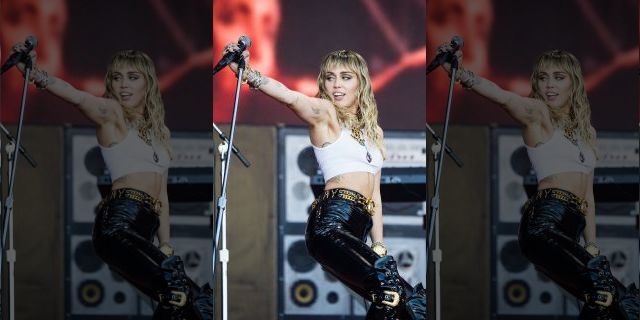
(30, 43)
(456, 44)
(243, 42)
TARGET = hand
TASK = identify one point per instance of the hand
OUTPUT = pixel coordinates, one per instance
(20, 47)
(446, 65)
(233, 47)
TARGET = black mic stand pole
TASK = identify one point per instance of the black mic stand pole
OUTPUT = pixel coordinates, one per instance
(222, 200)
(435, 202)
(7, 229)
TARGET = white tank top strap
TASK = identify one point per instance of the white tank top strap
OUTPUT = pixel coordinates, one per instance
(561, 155)
(346, 154)
(132, 154)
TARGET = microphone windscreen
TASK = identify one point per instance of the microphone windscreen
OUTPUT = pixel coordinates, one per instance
(31, 42)
(244, 42)
(457, 43)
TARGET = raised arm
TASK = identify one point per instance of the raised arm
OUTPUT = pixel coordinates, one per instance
(97, 109)
(526, 111)
(310, 109)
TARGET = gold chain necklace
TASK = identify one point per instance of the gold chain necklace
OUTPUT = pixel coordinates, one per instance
(357, 135)
(145, 136)
(570, 134)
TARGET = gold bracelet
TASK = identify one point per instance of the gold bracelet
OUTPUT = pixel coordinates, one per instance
(592, 248)
(379, 248)
(166, 248)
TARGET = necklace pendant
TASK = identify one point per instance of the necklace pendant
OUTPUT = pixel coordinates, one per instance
(368, 157)
(155, 157)
(581, 157)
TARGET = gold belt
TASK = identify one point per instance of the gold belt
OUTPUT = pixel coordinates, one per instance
(565, 196)
(136, 195)
(348, 195)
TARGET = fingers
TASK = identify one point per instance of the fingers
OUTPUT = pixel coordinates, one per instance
(444, 48)
(18, 47)
(231, 47)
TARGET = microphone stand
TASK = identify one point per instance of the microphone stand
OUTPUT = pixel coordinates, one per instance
(221, 219)
(7, 226)
(435, 202)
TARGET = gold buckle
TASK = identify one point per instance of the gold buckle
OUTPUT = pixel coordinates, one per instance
(605, 303)
(180, 302)
(393, 303)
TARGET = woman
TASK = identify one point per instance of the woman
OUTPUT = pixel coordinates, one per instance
(135, 146)
(561, 143)
(348, 144)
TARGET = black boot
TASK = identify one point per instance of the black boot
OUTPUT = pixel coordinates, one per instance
(176, 297)
(629, 302)
(387, 291)
(203, 303)
(416, 304)
(602, 296)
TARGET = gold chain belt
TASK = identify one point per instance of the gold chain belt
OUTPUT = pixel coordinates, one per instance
(136, 195)
(565, 196)
(348, 195)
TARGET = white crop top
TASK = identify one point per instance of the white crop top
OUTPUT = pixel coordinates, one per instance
(560, 155)
(347, 155)
(133, 155)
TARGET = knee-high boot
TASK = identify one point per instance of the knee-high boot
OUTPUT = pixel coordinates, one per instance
(603, 294)
(203, 303)
(629, 302)
(177, 296)
(416, 304)
(392, 297)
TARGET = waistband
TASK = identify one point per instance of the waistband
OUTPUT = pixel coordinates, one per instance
(349, 195)
(137, 195)
(563, 195)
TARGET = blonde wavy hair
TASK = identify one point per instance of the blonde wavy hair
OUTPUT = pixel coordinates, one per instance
(580, 110)
(367, 115)
(153, 114)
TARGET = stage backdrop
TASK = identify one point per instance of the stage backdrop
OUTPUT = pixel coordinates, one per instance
(76, 40)
(503, 38)
(290, 38)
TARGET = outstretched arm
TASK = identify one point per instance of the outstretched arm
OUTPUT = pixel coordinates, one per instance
(97, 109)
(526, 111)
(523, 109)
(310, 109)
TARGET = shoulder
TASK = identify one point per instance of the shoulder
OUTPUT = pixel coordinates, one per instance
(379, 131)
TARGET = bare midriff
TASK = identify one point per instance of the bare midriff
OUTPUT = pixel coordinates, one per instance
(148, 182)
(361, 182)
(574, 182)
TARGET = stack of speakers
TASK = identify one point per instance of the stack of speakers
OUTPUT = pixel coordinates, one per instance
(306, 291)
(92, 290)
(519, 290)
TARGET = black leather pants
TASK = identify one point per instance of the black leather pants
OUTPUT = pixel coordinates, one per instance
(335, 237)
(549, 233)
(123, 233)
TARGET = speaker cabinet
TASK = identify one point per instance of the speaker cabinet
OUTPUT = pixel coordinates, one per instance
(519, 290)
(92, 290)
(305, 290)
